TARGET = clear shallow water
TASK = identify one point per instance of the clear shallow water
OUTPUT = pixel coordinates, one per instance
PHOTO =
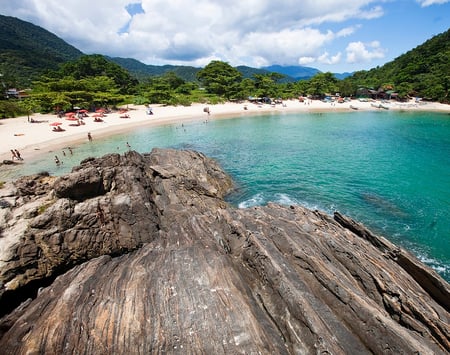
(388, 170)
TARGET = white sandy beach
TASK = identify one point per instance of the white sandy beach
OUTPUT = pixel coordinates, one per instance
(34, 138)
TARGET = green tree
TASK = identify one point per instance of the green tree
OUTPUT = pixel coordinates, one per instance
(347, 87)
(323, 83)
(96, 65)
(247, 88)
(29, 105)
(221, 79)
(265, 85)
(66, 93)
(404, 90)
(172, 80)
(301, 88)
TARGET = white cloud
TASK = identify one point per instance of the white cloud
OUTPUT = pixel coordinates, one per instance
(306, 60)
(425, 3)
(193, 32)
(325, 58)
(359, 52)
(283, 47)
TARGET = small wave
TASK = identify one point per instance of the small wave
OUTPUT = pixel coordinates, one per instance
(256, 200)
(441, 268)
(284, 199)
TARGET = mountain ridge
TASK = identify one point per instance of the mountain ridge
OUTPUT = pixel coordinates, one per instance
(46, 51)
(27, 50)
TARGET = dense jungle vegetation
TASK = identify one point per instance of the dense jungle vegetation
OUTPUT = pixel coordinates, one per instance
(59, 77)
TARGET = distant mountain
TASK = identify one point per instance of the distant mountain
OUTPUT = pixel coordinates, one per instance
(249, 72)
(141, 70)
(296, 72)
(27, 50)
(187, 73)
(342, 76)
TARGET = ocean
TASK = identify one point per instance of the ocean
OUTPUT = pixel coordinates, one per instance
(389, 170)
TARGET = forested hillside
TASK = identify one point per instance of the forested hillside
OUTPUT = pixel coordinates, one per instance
(423, 71)
(26, 51)
(30, 54)
(188, 73)
(142, 71)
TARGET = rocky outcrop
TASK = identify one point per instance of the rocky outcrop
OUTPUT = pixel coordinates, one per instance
(141, 254)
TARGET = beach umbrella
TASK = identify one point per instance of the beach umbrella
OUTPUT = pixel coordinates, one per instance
(97, 115)
(70, 113)
(83, 111)
(55, 124)
(71, 118)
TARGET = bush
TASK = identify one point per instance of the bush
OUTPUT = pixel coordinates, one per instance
(11, 108)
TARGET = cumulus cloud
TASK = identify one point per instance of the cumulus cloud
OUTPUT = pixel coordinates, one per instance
(359, 52)
(325, 58)
(425, 3)
(193, 32)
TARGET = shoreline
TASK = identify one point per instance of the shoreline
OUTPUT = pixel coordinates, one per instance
(31, 139)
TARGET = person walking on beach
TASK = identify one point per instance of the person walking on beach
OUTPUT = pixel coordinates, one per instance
(18, 154)
(89, 137)
(13, 155)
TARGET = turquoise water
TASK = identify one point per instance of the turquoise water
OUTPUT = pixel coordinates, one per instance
(388, 170)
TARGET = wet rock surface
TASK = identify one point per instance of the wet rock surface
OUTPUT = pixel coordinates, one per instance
(141, 254)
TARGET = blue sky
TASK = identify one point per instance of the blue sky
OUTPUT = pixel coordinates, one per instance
(330, 35)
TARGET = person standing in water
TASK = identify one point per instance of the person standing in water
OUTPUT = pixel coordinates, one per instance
(13, 155)
(18, 154)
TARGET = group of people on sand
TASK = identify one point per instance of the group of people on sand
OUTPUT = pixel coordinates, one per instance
(15, 155)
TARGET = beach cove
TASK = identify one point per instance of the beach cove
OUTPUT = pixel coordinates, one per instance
(33, 139)
(385, 168)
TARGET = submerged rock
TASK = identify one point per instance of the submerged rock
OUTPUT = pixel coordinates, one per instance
(141, 254)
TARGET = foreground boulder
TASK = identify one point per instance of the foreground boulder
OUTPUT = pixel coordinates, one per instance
(140, 254)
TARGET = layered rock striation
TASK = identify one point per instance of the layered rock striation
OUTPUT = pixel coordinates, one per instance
(141, 254)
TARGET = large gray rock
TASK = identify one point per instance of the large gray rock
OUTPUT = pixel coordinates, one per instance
(140, 254)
